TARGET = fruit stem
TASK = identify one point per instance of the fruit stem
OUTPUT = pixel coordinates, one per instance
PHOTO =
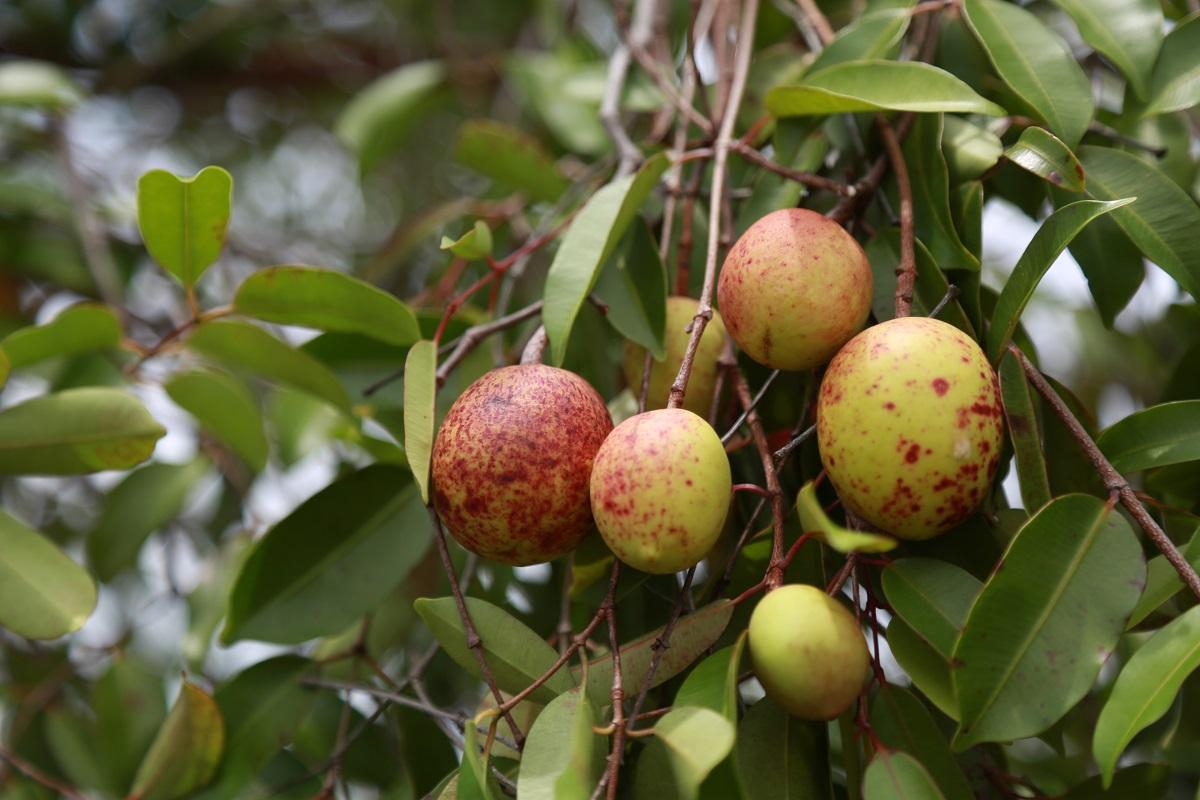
(536, 347)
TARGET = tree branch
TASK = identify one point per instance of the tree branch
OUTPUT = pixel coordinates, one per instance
(906, 271)
(774, 576)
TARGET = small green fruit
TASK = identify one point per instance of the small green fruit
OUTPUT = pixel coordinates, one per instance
(703, 380)
(660, 490)
(909, 424)
(511, 463)
(808, 652)
(794, 288)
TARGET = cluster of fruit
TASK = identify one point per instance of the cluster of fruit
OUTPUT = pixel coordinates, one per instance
(909, 423)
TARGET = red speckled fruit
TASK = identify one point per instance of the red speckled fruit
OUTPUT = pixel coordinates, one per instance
(909, 423)
(794, 288)
(512, 460)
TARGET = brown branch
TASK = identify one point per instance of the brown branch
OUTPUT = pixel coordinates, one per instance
(842, 575)
(470, 339)
(535, 348)
(618, 69)
(906, 271)
(774, 576)
(818, 21)
(618, 690)
(37, 776)
(198, 318)
(809, 179)
(1113, 480)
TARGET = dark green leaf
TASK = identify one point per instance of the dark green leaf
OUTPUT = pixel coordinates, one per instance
(1127, 32)
(510, 157)
(1163, 581)
(472, 245)
(931, 195)
(379, 116)
(633, 282)
(871, 36)
(420, 392)
(893, 775)
(563, 758)
(183, 220)
(1023, 430)
(80, 329)
(902, 723)
(1168, 433)
(1134, 783)
(933, 597)
(1112, 264)
(43, 593)
(186, 751)
(1176, 82)
(225, 408)
(929, 669)
(1042, 153)
(780, 757)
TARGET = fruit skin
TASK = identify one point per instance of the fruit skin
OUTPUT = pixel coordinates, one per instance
(909, 424)
(794, 288)
(698, 398)
(512, 460)
(808, 651)
(661, 489)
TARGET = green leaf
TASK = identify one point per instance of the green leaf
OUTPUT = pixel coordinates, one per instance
(633, 282)
(186, 751)
(43, 593)
(225, 408)
(931, 195)
(871, 36)
(328, 300)
(878, 86)
(244, 346)
(475, 781)
(1127, 32)
(420, 393)
(780, 757)
(81, 328)
(713, 683)
(142, 503)
(563, 758)
(884, 254)
(933, 597)
(814, 520)
(1176, 81)
(1021, 416)
(381, 115)
(1047, 244)
(1037, 636)
(929, 669)
(510, 157)
(1035, 63)
(692, 635)
(36, 83)
(688, 744)
(331, 560)
(1164, 220)
(472, 245)
(76, 431)
(1168, 433)
(183, 220)
(1133, 783)
(593, 235)
(1042, 153)
(1146, 688)
(1163, 582)
(515, 655)
(893, 775)
(902, 722)
(970, 150)
(129, 705)
(1112, 264)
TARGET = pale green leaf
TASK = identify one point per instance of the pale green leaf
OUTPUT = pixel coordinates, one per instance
(1176, 82)
(183, 220)
(1127, 32)
(186, 751)
(382, 114)
(814, 520)
(1168, 433)
(226, 408)
(81, 328)
(43, 593)
(472, 245)
(1042, 153)
(563, 758)
(894, 775)
(420, 392)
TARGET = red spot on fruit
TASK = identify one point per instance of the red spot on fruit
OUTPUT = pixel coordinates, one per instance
(941, 386)
(889, 405)
(914, 452)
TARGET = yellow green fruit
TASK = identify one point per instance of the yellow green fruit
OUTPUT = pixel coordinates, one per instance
(703, 380)
(794, 288)
(660, 490)
(909, 424)
(808, 652)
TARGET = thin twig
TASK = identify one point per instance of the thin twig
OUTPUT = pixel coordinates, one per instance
(906, 272)
(618, 689)
(817, 19)
(774, 576)
(809, 179)
(37, 776)
(473, 336)
(753, 405)
(952, 293)
(618, 69)
(797, 440)
(662, 644)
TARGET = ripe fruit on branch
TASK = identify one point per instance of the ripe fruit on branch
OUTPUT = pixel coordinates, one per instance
(808, 651)
(794, 288)
(512, 460)
(909, 424)
(660, 490)
(703, 380)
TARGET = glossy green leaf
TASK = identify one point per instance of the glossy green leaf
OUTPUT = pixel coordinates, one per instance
(894, 775)
(224, 407)
(186, 751)
(243, 346)
(970, 150)
(933, 597)
(1168, 433)
(510, 157)
(1127, 32)
(1146, 688)
(139, 505)
(25, 82)
(930, 179)
(1176, 81)
(76, 431)
(475, 781)
(871, 36)
(814, 520)
(381, 115)
(588, 242)
(928, 669)
(81, 328)
(328, 300)
(633, 283)
(1037, 636)
(688, 744)
(43, 593)
(780, 757)
(563, 758)
(331, 560)
(1035, 63)
(515, 654)
(1042, 153)
(902, 722)
(692, 635)
(1164, 220)
(420, 392)
(1047, 244)
(878, 86)
(1024, 432)
(1163, 581)
(183, 220)
(713, 683)
(1112, 264)
(472, 245)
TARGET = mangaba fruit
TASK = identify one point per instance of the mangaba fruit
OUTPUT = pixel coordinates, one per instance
(808, 652)
(661, 489)
(512, 460)
(909, 424)
(794, 288)
(703, 380)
